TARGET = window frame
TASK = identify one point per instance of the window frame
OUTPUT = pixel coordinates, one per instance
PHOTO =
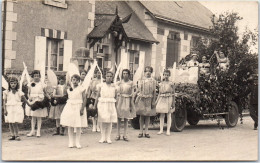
(49, 54)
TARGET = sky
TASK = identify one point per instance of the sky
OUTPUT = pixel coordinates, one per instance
(246, 9)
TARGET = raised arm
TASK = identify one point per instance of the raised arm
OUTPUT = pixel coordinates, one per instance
(84, 98)
(98, 95)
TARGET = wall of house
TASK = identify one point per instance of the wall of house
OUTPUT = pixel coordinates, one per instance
(76, 20)
(185, 48)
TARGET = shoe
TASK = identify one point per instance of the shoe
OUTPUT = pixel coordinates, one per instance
(255, 126)
(57, 131)
(117, 138)
(147, 136)
(17, 138)
(98, 129)
(168, 133)
(140, 135)
(101, 141)
(159, 133)
(38, 134)
(31, 134)
(125, 138)
(70, 146)
(12, 138)
(78, 146)
(109, 141)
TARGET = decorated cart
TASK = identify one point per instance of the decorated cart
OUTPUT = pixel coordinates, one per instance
(199, 96)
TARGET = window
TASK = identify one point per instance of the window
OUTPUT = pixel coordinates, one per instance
(194, 41)
(54, 54)
(133, 62)
(160, 31)
(56, 3)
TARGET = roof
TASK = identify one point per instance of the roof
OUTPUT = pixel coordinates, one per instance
(134, 29)
(188, 13)
(102, 24)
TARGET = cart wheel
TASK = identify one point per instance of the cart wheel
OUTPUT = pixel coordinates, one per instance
(135, 123)
(193, 120)
(179, 118)
(232, 117)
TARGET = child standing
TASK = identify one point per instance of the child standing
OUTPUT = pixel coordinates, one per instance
(37, 93)
(125, 103)
(106, 107)
(13, 109)
(92, 97)
(165, 101)
(58, 102)
(74, 115)
(145, 101)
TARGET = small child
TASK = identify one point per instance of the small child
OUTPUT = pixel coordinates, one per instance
(223, 62)
(145, 101)
(38, 97)
(125, 103)
(92, 97)
(74, 113)
(13, 109)
(106, 107)
(58, 102)
(165, 101)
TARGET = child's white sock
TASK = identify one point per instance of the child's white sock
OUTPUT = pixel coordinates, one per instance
(70, 134)
(108, 134)
(78, 134)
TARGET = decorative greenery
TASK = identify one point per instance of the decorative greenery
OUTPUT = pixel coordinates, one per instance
(217, 89)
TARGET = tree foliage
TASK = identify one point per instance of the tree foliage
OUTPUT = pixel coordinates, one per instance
(217, 89)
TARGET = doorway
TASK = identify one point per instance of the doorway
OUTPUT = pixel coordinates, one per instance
(173, 49)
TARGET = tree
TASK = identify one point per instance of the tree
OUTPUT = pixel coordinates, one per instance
(219, 88)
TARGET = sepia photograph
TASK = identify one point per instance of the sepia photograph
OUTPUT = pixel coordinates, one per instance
(129, 80)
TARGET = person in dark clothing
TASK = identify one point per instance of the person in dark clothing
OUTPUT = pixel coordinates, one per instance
(254, 98)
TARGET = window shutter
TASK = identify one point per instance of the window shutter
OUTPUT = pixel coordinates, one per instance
(67, 54)
(141, 58)
(124, 59)
(40, 52)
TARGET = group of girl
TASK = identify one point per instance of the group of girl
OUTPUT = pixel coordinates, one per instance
(106, 102)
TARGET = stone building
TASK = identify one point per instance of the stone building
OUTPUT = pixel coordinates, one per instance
(132, 32)
(44, 30)
(159, 32)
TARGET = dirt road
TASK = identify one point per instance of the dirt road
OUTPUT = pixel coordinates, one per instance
(206, 141)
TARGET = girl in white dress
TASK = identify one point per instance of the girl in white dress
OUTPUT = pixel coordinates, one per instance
(106, 107)
(37, 94)
(165, 101)
(74, 115)
(13, 109)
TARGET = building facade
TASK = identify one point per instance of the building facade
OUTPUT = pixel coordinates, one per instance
(134, 33)
(47, 31)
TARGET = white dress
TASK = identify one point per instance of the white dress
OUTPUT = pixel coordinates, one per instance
(70, 115)
(36, 94)
(15, 112)
(106, 104)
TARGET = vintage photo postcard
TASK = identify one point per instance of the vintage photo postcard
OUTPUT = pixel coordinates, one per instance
(130, 80)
